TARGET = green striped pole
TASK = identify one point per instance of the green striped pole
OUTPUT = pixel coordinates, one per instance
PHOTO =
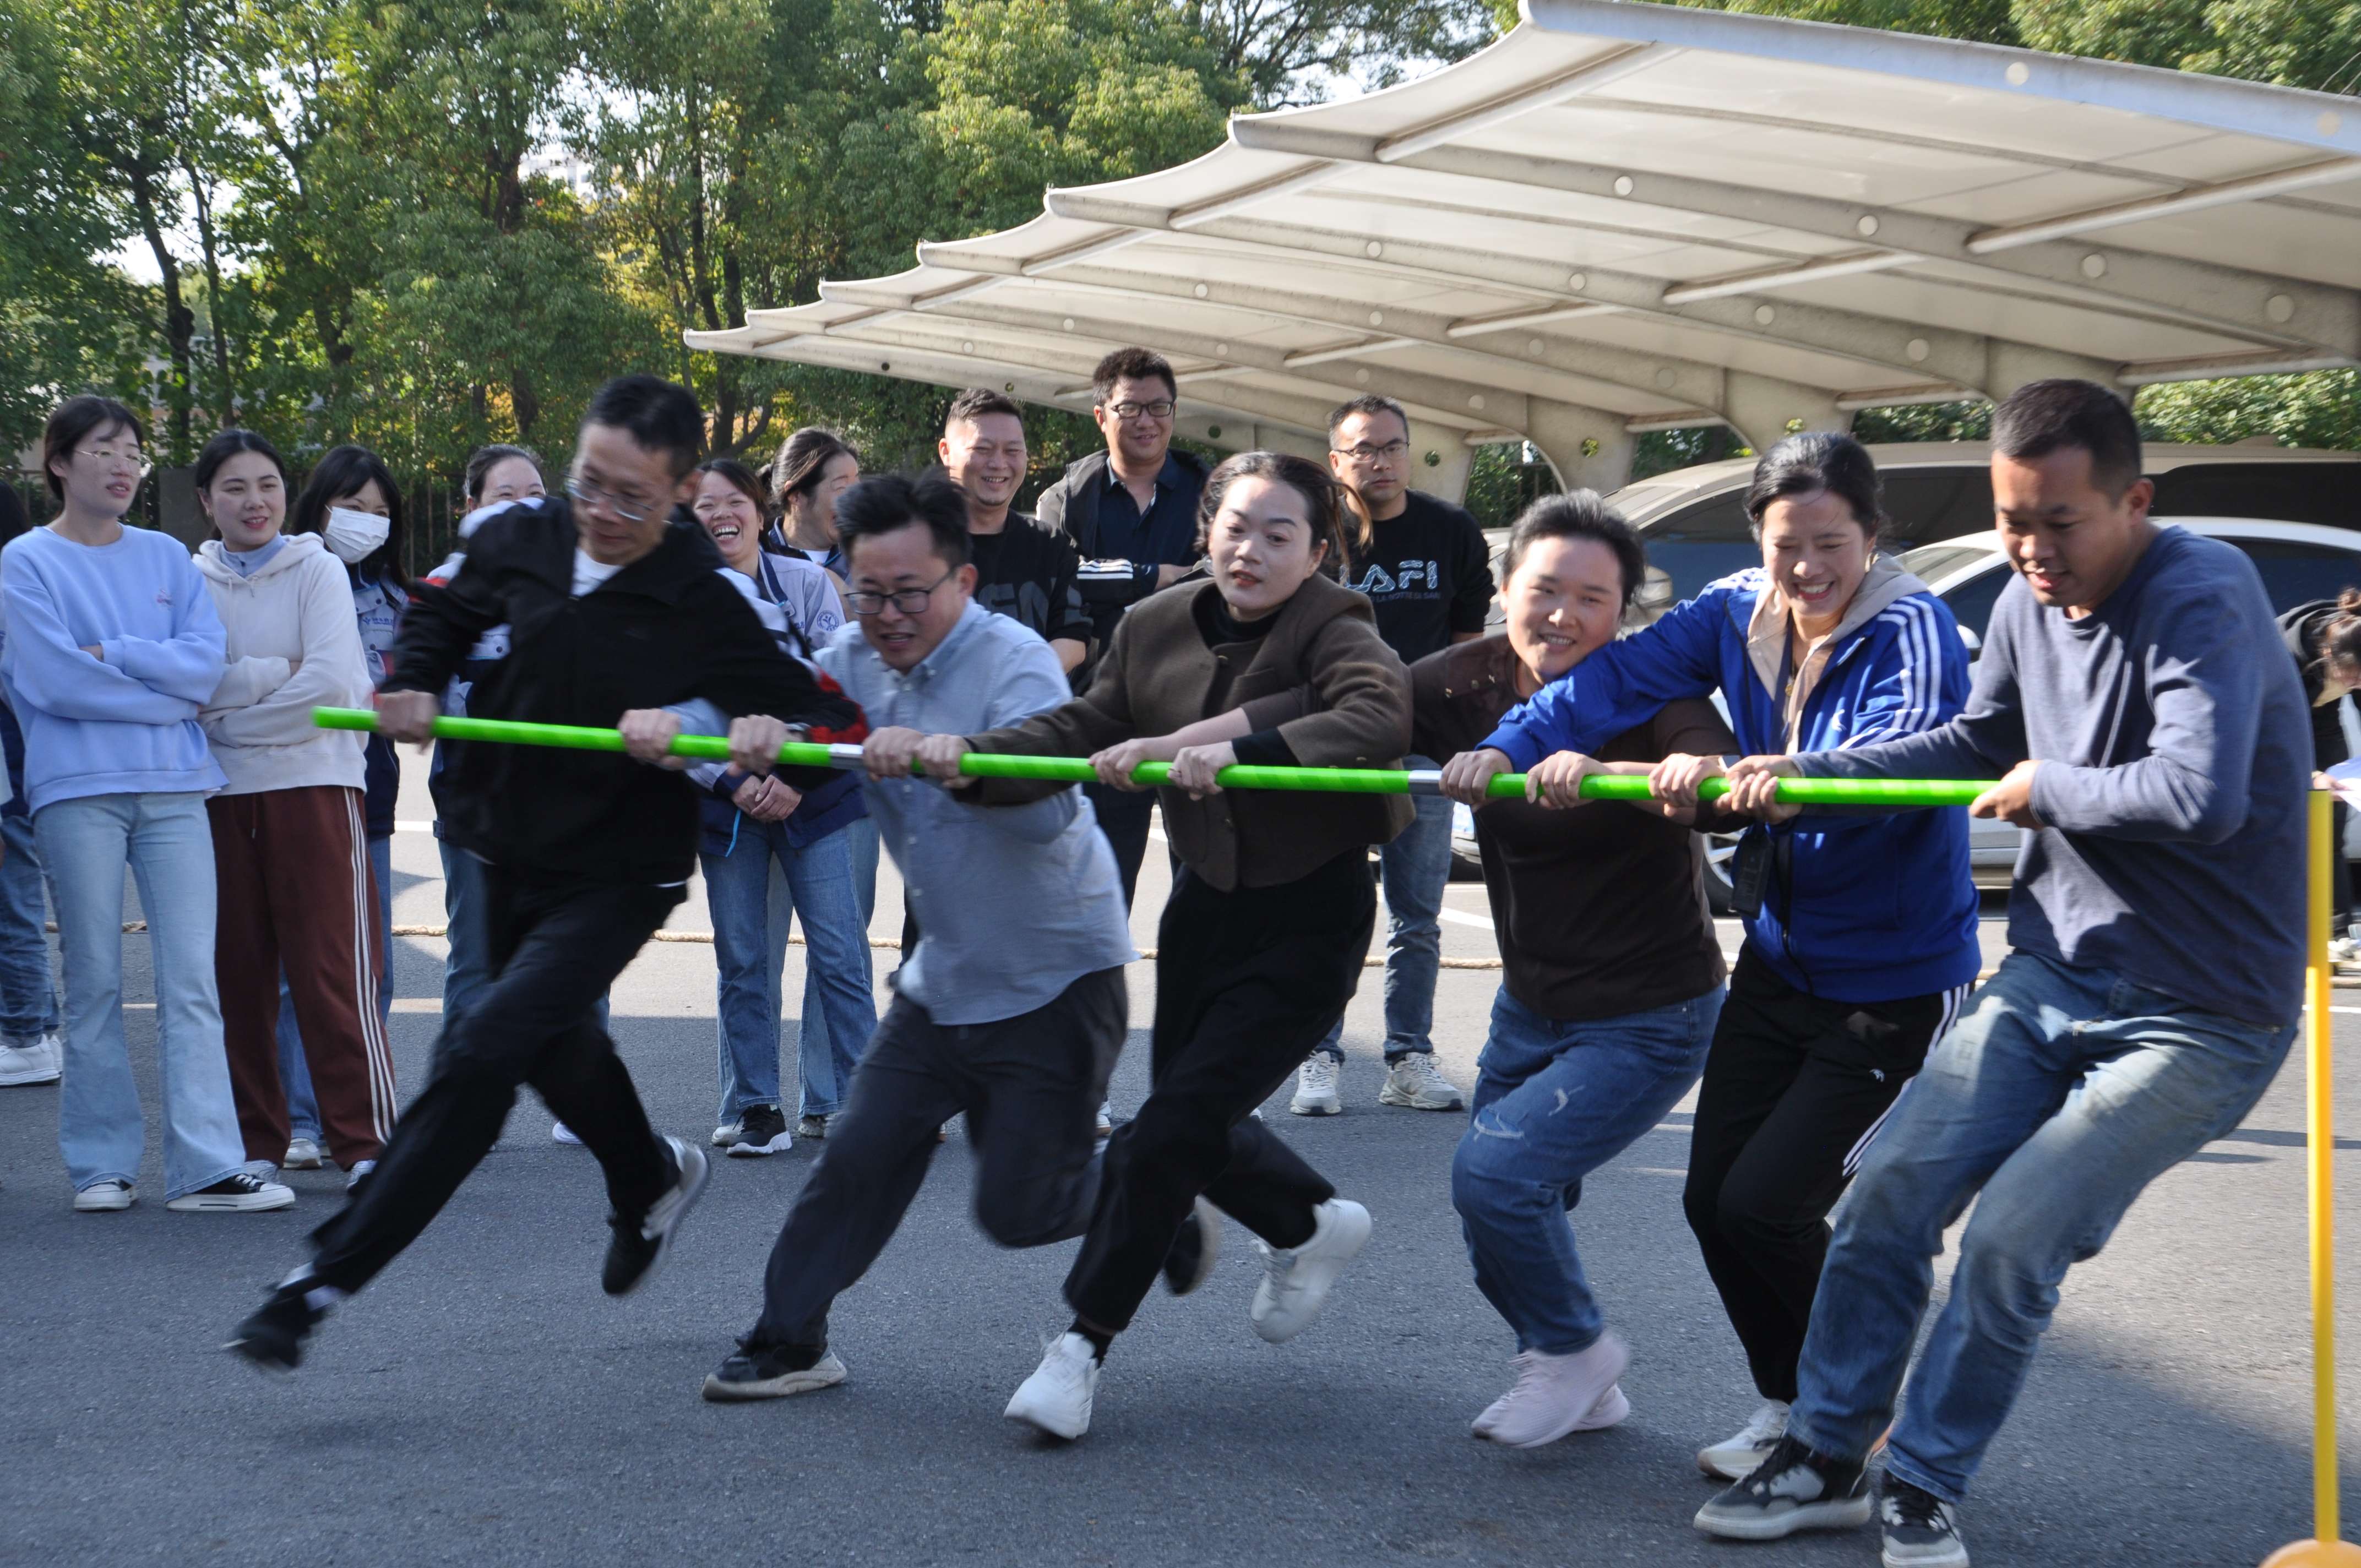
(1892, 793)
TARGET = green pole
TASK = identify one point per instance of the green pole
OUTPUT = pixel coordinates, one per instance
(1890, 793)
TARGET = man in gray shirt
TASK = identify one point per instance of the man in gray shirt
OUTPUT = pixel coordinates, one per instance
(2147, 725)
(1013, 1007)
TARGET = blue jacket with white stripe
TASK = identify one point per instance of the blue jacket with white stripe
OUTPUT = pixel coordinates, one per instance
(1863, 906)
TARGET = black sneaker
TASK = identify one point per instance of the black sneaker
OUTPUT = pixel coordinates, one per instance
(1193, 1250)
(772, 1372)
(1794, 1489)
(1921, 1530)
(272, 1338)
(640, 1243)
(760, 1131)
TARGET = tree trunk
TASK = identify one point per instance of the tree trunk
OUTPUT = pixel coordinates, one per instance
(523, 401)
(180, 324)
(224, 395)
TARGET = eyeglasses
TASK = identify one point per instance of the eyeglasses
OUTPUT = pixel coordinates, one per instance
(908, 601)
(107, 457)
(591, 495)
(1392, 452)
(1160, 408)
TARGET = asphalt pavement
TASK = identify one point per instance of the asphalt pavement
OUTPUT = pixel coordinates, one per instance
(484, 1403)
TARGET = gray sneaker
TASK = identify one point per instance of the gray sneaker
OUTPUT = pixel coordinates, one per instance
(1794, 1489)
(1415, 1083)
(1921, 1530)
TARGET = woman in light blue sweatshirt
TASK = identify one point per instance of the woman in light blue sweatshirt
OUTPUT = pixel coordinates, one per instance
(111, 646)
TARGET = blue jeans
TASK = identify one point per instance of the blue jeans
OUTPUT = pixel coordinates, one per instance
(29, 995)
(2061, 1094)
(1415, 869)
(467, 968)
(168, 845)
(751, 910)
(295, 1072)
(1555, 1101)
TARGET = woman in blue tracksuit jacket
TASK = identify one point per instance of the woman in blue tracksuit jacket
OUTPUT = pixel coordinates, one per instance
(1864, 940)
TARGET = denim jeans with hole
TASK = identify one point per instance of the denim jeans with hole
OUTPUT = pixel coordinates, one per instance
(295, 1072)
(1414, 869)
(168, 844)
(29, 995)
(2058, 1096)
(750, 907)
(1553, 1102)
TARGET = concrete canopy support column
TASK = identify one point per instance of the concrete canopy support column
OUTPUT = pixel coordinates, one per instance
(1766, 411)
(2009, 365)
(1589, 447)
(1440, 459)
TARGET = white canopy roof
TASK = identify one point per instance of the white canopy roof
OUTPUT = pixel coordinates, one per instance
(1627, 216)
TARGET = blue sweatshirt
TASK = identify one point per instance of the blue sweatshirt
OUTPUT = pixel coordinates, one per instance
(1865, 907)
(126, 722)
(2175, 752)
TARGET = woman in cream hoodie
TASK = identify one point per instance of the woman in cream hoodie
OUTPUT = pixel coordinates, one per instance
(290, 844)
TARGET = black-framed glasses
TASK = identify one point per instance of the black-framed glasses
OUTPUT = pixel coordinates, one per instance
(1392, 452)
(1160, 408)
(591, 495)
(909, 601)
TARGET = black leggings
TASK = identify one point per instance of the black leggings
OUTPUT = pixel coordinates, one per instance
(1246, 983)
(1795, 1088)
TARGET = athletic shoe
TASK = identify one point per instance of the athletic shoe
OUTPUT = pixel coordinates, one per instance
(559, 1133)
(1554, 1394)
(302, 1153)
(811, 1127)
(1794, 1489)
(1316, 1087)
(1057, 1397)
(771, 1372)
(761, 1131)
(1194, 1249)
(1106, 1119)
(1921, 1530)
(1296, 1280)
(1414, 1083)
(272, 1337)
(241, 1194)
(1735, 1457)
(360, 1167)
(724, 1134)
(105, 1197)
(641, 1244)
(29, 1060)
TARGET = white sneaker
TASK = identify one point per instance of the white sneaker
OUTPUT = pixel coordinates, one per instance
(302, 1153)
(30, 1060)
(1316, 1087)
(1057, 1397)
(360, 1167)
(1415, 1083)
(243, 1193)
(559, 1133)
(1554, 1394)
(1296, 1281)
(1105, 1128)
(2343, 950)
(105, 1197)
(723, 1135)
(1735, 1457)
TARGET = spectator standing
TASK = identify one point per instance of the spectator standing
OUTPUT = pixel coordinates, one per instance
(1023, 570)
(30, 1051)
(812, 470)
(2324, 639)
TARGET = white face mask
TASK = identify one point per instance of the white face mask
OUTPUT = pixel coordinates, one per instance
(355, 536)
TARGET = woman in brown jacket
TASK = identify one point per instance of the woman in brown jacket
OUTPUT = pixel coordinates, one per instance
(1261, 944)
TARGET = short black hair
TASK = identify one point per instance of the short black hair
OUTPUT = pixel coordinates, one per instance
(1132, 364)
(483, 460)
(2042, 417)
(1371, 403)
(340, 473)
(660, 415)
(976, 403)
(75, 419)
(887, 503)
(1815, 462)
(1578, 514)
(227, 444)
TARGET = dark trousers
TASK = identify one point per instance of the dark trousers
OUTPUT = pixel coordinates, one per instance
(1246, 983)
(555, 944)
(1794, 1087)
(1123, 816)
(1030, 1086)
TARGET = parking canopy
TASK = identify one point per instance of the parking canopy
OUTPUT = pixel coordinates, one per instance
(1627, 216)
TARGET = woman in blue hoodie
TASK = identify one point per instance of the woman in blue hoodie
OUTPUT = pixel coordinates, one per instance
(1860, 928)
(112, 647)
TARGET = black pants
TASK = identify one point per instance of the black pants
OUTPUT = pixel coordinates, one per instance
(1795, 1086)
(1123, 816)
(1030, 1086)
(1246, 983)
(556, 945)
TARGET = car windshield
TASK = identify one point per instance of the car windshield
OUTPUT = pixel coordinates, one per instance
(1932, 563)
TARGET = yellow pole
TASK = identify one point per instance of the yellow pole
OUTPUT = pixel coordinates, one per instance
(2324, 1550)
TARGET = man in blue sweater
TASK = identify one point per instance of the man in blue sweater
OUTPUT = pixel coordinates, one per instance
(2146, 724)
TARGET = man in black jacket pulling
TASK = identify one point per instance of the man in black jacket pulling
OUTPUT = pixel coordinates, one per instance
(620, 607)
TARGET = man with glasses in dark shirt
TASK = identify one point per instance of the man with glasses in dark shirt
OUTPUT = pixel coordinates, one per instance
(1023, 570)
(1132, 513)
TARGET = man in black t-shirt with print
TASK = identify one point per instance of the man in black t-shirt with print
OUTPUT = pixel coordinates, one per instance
(1023, 570)
(1428, 573)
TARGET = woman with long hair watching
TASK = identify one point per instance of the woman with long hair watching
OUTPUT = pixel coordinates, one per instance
(813, 468)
